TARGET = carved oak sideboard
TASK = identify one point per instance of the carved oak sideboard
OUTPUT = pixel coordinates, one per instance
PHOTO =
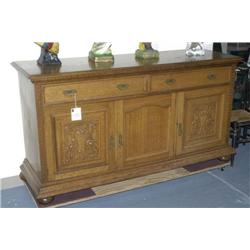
(137, 118)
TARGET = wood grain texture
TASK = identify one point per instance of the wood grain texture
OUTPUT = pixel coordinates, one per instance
(185, 79)
(73, 184)
(78, 68)
(240, 116)
(203, 118)
(163, 116)
(30, 123)
(79, 147)
(148, 130)
(96, 89)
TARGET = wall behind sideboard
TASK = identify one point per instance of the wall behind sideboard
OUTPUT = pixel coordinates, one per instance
(76, 24)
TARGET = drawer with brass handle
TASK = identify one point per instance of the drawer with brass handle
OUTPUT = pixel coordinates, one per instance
(95, 89)
(211, 76)
(70, 92)
(191, 78)
(122, 86)
(170, 81)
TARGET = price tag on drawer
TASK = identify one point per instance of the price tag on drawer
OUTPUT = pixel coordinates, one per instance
(76, 114)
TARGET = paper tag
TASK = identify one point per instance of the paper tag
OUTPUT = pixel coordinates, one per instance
(76, 114)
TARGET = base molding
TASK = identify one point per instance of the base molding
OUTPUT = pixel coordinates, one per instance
(52, 188)
(126, 185)
(29, 175)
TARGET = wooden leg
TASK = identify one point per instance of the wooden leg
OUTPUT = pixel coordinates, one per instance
(46, 200)
(235, 135)
(232, 160)
(235, 138)
(225, 158)
(245, 134)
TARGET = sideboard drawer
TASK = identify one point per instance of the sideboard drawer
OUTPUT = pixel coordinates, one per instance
(192, 78)
(95, 89)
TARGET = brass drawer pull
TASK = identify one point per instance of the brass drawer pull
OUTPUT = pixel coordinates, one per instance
(211, 77)
(69, 92)
(122, 86)
(170, 81)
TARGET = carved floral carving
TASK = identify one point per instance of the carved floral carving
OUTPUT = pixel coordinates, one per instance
(203, 120)
(80, 142)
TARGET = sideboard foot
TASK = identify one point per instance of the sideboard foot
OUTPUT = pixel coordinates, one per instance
(225, 158)
(45, 201)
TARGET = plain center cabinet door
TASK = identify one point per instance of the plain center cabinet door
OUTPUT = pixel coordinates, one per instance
(82, 147)
(146, 130)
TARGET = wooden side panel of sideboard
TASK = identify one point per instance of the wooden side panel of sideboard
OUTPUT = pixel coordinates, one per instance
(30, 124)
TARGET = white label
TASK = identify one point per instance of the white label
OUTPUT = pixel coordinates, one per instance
(76, 114)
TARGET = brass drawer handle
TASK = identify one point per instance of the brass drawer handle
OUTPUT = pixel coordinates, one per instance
(170, 81)
(211, 77)
(122, 86)
(69, 92)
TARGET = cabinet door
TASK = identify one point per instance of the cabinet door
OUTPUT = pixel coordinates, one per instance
(146, 129)
(79, 147)
(203, 119)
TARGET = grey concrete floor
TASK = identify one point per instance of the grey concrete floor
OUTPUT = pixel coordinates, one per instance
(212, 189)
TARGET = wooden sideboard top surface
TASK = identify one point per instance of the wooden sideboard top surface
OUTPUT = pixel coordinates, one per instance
(123, 64)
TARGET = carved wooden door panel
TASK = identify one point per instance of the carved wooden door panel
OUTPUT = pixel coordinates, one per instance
(146, 130)
(203, 116)
(79, 147)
